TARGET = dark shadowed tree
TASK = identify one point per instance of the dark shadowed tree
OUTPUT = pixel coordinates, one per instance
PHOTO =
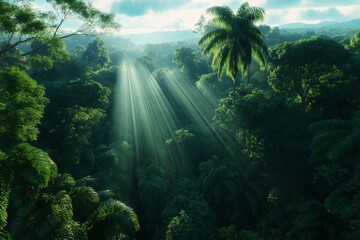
(301, 69)
(23, 102)
(317, 221)
(187, 214)
(96, 54)
(187, 62)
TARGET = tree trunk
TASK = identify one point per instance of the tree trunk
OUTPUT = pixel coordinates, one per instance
(248, 75)
(234, 88)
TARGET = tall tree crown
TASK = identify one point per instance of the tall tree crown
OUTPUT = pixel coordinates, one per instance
(235, 40)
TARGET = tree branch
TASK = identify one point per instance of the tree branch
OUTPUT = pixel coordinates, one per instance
(8, 48)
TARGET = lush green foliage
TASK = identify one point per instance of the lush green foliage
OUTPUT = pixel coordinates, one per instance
(276, 158)
(23, 103)
(96, 54)
(306, 67)
(20, 22)
(38, 200)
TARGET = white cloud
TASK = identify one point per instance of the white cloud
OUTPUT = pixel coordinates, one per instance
(167, 21)
(328, 3)
(184, 16)
(104, 5)
(276, 17)
(351, 12)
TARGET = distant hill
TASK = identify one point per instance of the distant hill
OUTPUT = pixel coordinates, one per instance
(161, 37)
(355, 23)
(119, 42)
(110, 40)
(187, 35)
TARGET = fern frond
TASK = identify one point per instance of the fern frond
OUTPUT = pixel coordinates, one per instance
(44, 223)
(37, 167)
(5, 179)
(106, 194)
(16, 223)
(346, 146)
(330, 125)
(337, 138)
(85, 180)
(61, 182)
(4, 235)
(328, 139)
(85, 195)
(117, 216)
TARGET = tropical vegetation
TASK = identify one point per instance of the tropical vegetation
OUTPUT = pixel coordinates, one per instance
(275, 156)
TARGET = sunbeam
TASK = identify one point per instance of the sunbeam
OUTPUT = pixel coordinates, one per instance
(144, 116)
(149, 111)
(198, 107)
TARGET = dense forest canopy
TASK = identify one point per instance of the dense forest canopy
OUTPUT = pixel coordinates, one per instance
(248, 132)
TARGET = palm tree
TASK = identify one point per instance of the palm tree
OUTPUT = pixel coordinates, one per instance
(235, 40)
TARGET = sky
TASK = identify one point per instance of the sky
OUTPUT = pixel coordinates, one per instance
(144, 16)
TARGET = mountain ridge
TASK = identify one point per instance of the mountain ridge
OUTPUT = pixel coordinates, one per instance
(189, 35)
(160, 37)
(354, 23)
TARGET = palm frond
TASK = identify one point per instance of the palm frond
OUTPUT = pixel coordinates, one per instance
(30, 223)
(37, 167)
(63, 181)
(250, 14)
(43, 229)
(16, 223)
(259, 49)
(235, 62)
(210, 36)
(85, 200)
(4, 235)
(330, 125)
(219, 40)
(220, 60)
(337, 138)
(260, 55)
(223, 16)
(328, 139)
(62, 207)
(244, 55)
(235, 40)
(117, 216)
(346, 146)
(5, 179)
(44, 223)
(84, 181)
(106, 194)
(4, 201)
